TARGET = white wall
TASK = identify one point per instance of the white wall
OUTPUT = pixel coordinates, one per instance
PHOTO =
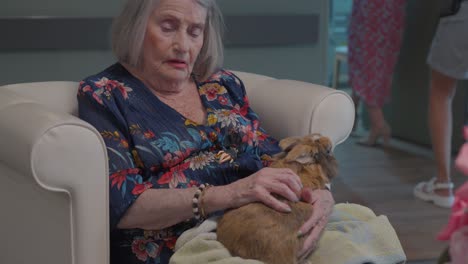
(306, 63)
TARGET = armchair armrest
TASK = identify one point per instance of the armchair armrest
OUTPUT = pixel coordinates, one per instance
(294, 108)
(33, 140)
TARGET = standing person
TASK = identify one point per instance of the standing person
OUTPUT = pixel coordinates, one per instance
(375, 36)
(173, 122)
(448, 59)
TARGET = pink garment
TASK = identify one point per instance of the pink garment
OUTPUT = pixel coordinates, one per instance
(459, 216)
(375, 36)
(459, 246)
(462, 159)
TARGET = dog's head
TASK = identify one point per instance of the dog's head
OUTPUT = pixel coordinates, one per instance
(309, 154)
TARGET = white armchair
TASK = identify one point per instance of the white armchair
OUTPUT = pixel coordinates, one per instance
(53, 166)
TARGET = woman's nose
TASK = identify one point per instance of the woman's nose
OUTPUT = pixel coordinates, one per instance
(181, 42)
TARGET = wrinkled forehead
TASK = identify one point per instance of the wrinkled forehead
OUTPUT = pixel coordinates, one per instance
(193, 9)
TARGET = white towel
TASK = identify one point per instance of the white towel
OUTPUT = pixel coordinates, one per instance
(354, 235)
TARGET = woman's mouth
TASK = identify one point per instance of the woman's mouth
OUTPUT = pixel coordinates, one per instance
(178, 64)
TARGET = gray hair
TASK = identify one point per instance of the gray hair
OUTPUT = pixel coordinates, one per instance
(129, 29)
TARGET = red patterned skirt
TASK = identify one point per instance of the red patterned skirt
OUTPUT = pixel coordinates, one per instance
(375, 35)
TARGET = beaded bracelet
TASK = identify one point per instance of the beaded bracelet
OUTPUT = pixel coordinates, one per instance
(198, 213)
(202, 202)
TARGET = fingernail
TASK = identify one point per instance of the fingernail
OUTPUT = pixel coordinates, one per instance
(288, 209)
(299, 233)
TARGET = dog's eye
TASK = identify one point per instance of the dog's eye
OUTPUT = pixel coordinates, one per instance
(329, 150)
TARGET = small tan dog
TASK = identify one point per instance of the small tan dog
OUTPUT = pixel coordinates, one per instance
(256, 231)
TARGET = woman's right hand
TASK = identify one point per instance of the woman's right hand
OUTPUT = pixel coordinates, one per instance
(260, 187)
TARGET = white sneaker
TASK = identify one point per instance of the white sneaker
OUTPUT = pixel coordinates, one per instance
(425, 192)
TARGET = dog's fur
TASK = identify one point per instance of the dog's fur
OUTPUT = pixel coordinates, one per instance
(256, 231)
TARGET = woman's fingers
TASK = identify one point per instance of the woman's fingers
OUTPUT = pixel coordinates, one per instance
(312, 239)
(309, 224)
(308, 196)
(261, 186)
(287, 176)
(323, 205)
(269, 200)
(283, 190)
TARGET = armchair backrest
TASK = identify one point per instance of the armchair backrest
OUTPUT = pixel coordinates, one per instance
(59, 96)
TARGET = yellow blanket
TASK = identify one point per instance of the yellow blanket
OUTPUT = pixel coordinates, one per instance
(354, 235)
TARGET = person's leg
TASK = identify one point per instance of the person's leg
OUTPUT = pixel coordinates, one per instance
(441, 93)
(376, 117)
(378, 127)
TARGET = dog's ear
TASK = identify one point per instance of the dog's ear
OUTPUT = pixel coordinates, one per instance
(288, 143)
(302, 154)
(305, 159)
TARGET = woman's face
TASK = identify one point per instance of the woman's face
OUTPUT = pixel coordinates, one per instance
(173, 39)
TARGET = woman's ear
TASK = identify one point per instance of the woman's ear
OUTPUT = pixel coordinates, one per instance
(288, 143)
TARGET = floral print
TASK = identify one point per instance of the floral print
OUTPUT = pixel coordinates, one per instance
(144, 248)
(200, 161)
(212, 91)
(150, 145)
(226, 118)
(174, 176)
(375, 36)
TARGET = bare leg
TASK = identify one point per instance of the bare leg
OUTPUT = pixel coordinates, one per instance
(441, 94)
(379, 127)
(377, 118)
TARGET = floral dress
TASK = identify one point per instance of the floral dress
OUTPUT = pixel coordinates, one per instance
(151, 145)
(375, 37)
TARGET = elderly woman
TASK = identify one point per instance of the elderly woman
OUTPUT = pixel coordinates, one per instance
(173, 122)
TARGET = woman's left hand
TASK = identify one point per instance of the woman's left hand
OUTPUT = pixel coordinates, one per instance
(323, 203)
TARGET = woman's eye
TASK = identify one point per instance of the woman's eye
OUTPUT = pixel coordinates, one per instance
(167, 26)
(196, 31)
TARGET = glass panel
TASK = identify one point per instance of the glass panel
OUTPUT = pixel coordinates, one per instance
(340, 12)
